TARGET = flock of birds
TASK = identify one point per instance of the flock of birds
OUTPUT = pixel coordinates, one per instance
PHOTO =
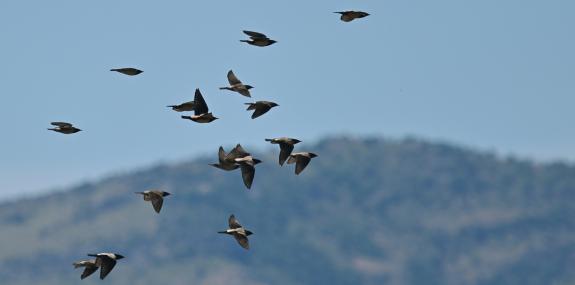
(236, 158)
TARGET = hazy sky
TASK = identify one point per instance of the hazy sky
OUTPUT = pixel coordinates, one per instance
(497, 75)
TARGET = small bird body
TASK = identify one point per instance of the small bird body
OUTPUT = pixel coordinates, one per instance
(64, 128)
(202, 118)
(127, 71)
(286, 147)
(106, 262)
(184, 107)
(348, 16)
(258, 39)
(89, 267)
(260, 107)
(201, 110)
(301, 160)
(238, 232)
(156, 197)
(237, 86)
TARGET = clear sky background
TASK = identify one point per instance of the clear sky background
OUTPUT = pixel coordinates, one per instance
(497, 75)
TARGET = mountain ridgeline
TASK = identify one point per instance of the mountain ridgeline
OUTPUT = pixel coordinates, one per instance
(366, 211)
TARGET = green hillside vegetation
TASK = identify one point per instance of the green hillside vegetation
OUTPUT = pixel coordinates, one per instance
(366, 211)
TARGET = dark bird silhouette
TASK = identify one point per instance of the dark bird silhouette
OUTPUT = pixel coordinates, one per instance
(247, 165)
(156, 197)
(89, 267)
(184, 107)
(301, 160)
(260, 107)
(106, 262)
(64, 128)
(223, 163)
(239, 233)
(348, 16)
(286, 147)
(258, 39)
(127, 71)
(236, 85)
(201, 111)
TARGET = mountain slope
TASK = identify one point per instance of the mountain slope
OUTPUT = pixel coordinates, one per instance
(366, 211)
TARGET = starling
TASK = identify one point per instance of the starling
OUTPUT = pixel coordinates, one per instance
(187, 106)
(286, 147)
(127, 71)
(236, 85)
(224, 164)
(239, 233)
(260, 107)
(258, 39)
(64, 128)
(348, 16)
(156, 197)
(106, 262)
(301, 160)
(201, 112)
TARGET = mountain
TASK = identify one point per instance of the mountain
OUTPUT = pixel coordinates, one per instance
(366, 211)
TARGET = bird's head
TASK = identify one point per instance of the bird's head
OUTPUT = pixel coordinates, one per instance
(256, 161)
(311, 154)
(273, 42)
(248, 87)
(164, 194)
(296, 141)
(118, 256)
(274, 104)
(249, 233)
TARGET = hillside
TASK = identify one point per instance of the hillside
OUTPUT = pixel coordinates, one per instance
(366, 211)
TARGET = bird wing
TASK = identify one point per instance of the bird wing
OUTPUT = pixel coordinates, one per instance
(242, 240)
(201, 105)
(233, 222)
(255, 35)
(301, 163)
(61, 124)
(285, 151)
(107, 266)
(157, 202)
(88, 270)
(221, 154)
(248, 173)
(245, 92)
(232, 79)
(237, 152)
(260, 110)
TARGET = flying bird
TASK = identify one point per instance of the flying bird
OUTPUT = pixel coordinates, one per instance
(228, 161)
(348, 16)
(260, 107)
(247, 166)
(301, 160)
(201, 111)
(156, 197)
(239, 233)
(64, 128)
(258, 39)
(286, 147)
(184, 107)
(89, 267)
(236, 85)
(106, 262)
(127, 71)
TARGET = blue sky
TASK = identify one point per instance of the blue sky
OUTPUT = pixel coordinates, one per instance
(497, 75)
